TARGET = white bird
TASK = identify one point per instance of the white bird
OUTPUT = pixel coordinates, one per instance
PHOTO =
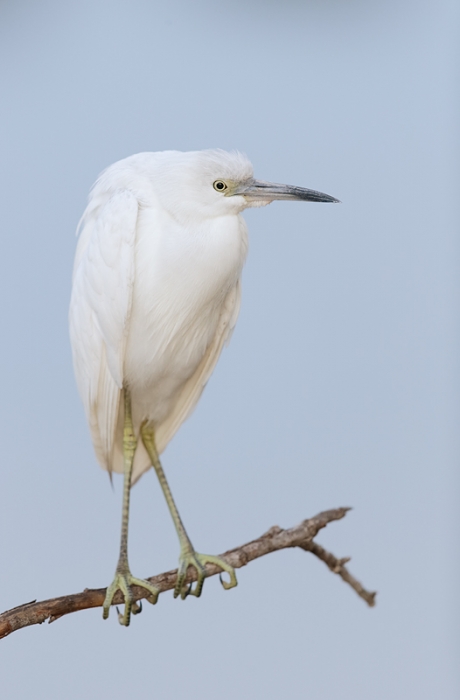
(155, 296)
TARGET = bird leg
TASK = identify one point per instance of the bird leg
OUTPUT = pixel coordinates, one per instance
(188, 556)
(123, 578)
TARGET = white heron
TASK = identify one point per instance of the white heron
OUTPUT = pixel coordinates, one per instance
(156, 295)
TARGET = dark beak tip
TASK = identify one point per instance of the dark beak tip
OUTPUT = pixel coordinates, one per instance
(329, 200)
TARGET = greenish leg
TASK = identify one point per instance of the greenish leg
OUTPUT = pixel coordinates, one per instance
(123, 578)
(188, 556)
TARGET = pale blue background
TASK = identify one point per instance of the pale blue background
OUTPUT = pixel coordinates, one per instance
(340, 386)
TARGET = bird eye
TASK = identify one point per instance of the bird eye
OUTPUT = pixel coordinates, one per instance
(220, 185)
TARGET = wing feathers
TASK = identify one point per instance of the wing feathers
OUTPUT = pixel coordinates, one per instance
(100, 309)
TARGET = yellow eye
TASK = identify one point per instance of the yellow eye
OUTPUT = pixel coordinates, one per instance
(220, 185)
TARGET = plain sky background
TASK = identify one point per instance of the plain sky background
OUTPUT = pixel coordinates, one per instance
(340, 386)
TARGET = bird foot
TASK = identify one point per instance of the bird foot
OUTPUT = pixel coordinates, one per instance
(122, 582)
(199, 561)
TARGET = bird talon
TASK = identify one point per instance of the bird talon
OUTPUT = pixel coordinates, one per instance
(198, 587)
(121, 618)
(186, 590)
(137, 607)
(123, 582)
(228, 584)
(199, 561)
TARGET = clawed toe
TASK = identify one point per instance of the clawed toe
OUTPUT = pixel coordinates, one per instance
(123, 582)
(198, 562)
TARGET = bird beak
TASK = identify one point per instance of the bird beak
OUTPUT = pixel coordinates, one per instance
(261, 191)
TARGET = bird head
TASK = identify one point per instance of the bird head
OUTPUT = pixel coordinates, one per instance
(211, 183)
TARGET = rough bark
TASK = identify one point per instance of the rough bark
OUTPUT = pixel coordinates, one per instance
(276, 538)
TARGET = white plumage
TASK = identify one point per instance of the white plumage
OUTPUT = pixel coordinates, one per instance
(156, 291)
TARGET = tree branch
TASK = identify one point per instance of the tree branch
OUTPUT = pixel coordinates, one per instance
(276, 538)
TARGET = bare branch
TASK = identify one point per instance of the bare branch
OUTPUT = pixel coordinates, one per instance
(276, 538)
(337, 566)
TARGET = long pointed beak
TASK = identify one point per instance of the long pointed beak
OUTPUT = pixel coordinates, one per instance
(260, 191)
